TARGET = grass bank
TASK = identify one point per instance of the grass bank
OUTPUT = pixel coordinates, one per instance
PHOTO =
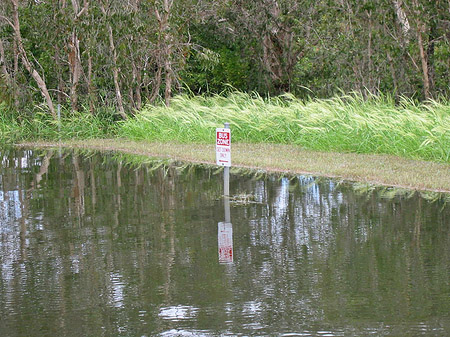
(368, 168)
(370, 139)
(350, 124)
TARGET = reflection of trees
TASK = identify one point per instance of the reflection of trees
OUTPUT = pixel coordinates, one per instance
(99, 244)
(351, 256)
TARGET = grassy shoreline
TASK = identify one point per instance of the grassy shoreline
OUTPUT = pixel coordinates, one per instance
(383, 170)
(374, 140)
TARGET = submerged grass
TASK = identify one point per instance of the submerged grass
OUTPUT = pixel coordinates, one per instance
(369, 169)
(152, 164)
(348, 123)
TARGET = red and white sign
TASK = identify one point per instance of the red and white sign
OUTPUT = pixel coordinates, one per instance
(225, 240)
(223, 147)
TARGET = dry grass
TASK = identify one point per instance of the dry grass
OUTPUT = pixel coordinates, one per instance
(375, 169)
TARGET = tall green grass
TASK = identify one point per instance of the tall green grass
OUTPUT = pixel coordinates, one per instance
(38, 124)
(349, 123)
(9, 125)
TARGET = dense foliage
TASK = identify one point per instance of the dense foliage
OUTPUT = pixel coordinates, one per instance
(89, 54)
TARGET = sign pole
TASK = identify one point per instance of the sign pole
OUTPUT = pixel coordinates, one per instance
(226, 173)
(223, 155)
(225, 229)
(226, 204)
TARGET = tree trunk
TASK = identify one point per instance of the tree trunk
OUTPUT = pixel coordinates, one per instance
(59, 75)
(138, 80)
(369, 55)
(168, 89)
(74, 53)
(392, 69)
(432, 36)
(75, 68)
(28, 65)
(423, 60)
(115, 69)
(402, 18)
(116, 73)
(165, 48)
(421, 28)
(16, 58)
(156, 85)
(3, 68)
(7, 77)
(91, 96)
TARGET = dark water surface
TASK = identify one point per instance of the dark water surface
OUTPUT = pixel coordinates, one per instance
(90, 246)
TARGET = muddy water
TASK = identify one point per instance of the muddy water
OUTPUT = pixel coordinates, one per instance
(91, 246)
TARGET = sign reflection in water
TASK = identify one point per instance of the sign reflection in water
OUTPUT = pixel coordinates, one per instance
(225, 236)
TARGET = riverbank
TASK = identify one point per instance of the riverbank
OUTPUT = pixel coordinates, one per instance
(386, 170)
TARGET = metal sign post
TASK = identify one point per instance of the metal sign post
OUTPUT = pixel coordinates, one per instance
(223, 155)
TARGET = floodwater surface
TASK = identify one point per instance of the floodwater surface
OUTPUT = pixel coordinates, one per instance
(91, 246)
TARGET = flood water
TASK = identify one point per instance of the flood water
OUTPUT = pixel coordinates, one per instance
(91, 246)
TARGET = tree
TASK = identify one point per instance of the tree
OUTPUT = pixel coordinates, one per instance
(15, 24)
(74, 55)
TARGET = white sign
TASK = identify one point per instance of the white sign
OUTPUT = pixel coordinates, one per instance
(223, 147)
(225, 240)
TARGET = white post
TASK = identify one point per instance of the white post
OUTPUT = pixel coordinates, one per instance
(226, 204)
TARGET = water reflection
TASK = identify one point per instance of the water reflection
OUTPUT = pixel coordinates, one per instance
(92, 247)
(225, 239)
(225, 235)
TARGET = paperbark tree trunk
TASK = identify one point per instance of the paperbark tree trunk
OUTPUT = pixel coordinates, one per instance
(156, 85)
(116, 73)
(115, 69)
(138, 80)
(28, 65)
(432, 37)
(280, 52)
(423, 56)
(91, 94)
(8, 80)
(165, 48)
(3, 68)
(168, 88)
(16, 58)
(75, 68)
(74, 53)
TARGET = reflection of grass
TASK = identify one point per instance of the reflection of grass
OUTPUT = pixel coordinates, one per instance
(243, 199)
(390, 193)
(344, 124)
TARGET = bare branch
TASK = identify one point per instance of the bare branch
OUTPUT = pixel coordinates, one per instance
(84, 10)
(7, 21)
